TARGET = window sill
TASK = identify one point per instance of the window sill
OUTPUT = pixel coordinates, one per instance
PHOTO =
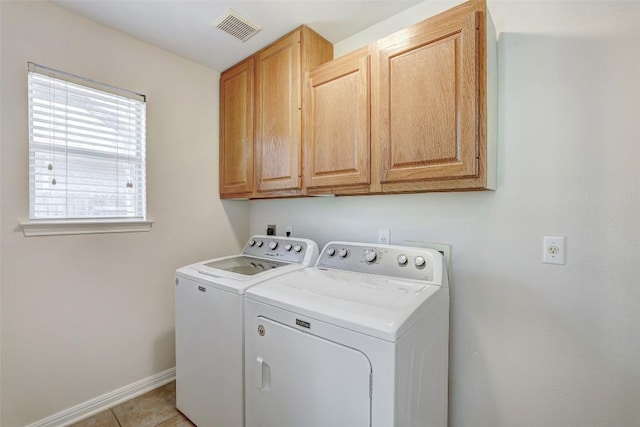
(57, 228)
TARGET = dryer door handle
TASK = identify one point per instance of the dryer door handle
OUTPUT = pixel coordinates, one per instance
(264, 374)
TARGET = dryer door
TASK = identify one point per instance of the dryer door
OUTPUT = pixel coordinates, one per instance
(298, 379)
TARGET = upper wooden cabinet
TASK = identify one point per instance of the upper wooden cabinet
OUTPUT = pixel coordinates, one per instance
(236, 130)
(423, 122)
(412, 112)
(278, 106)
(275, 158)
(337, 128)
(278, 146)
(430, 109)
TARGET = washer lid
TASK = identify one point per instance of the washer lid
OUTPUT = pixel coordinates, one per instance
(232, 281)
(379, 306)
(245, 266)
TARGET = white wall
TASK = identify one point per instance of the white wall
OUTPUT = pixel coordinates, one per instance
(0, 219)
(0, 222)
(532, 344)
(86, 315)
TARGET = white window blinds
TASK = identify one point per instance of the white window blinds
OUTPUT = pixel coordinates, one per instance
(86, 148)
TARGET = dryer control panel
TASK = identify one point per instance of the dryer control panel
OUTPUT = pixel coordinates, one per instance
(403, 262)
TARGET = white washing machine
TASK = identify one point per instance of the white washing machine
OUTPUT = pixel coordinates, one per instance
(209, 325)
(359, 340)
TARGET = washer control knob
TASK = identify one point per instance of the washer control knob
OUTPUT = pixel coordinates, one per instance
(260, 243)
(343, 253)
(297, 248)
(402, 259)
(331, 251)
(370, 255)
(252, 242)
(288, 247)
(419, 261)
(273, 245)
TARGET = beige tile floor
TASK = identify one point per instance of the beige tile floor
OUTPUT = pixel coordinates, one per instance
(156, 408)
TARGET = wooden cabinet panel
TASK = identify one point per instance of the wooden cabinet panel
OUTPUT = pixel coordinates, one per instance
(337, 123)
(278, 114)
(427, 110)
(422, 128)
(236, 130)
(261, 153)
(278, 146)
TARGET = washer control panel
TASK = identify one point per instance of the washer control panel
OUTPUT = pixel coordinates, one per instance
(404, 262)
(286, 249)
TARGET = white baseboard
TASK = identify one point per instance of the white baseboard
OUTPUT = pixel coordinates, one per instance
(106, 401)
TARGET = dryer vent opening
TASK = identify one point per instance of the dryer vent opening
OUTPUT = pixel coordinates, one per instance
(238, 26)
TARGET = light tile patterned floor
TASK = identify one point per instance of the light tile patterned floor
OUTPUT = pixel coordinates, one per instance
(156, 408)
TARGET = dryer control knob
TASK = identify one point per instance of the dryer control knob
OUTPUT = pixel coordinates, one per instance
(260, 243)
(402, 259)
(331, 251)
(252, 242)
(273, 245)
(419, 261)
(343, 253)
(288, 247)
(297, 248)
(370, 256)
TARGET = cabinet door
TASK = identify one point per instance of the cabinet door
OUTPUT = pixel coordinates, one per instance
(427, 105)
(236, 130)
(337, 118)
(278, 106)
(295, 379)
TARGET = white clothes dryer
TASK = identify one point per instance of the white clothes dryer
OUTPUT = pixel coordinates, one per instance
(209, 325)
(359, 340)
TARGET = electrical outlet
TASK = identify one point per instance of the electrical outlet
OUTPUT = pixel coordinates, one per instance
(288, 230)
(553, 250)
(384, 236)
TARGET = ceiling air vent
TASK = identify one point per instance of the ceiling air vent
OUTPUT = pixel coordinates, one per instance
(238, 26)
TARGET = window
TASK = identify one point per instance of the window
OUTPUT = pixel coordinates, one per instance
(86, 149)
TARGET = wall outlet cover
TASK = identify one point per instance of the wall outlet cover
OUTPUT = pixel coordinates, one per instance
(553, 250)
